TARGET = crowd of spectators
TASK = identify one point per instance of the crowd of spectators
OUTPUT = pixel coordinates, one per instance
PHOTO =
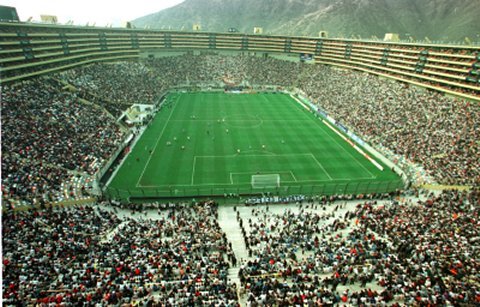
(47, 129)
(393, 114)
(436, 244)
(93, 255)
(425, 127)
(397, 252)
(47, 136)
(115, 82)
(322, 252)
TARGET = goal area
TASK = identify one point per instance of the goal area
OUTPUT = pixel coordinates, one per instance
(265, 181)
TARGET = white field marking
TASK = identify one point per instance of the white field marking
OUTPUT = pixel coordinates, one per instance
(229, 124)
(240, 173)
(239, 120)
(270, 154)
(321, 166)
(285, 181)
(317, 121)
(293, 176)
(214, 120)
(193, 168)
(272, 172)
(247, 118)
(301, 103)
(354, 145)
(265, 153)
(273, 154)
(256, 155)
(355, 158)
(156, 144)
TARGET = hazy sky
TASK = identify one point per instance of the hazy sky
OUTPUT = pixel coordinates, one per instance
(82, 11)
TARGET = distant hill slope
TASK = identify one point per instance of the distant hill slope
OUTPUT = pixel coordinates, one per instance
(436, 19)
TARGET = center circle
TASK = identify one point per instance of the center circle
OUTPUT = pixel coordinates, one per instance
(243, 121)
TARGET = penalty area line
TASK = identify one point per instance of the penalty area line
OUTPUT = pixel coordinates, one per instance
(193, 169)
(321, 166)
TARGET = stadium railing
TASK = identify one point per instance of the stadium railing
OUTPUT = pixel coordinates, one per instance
(246, 190)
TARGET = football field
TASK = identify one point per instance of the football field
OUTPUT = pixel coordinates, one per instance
(212, 144)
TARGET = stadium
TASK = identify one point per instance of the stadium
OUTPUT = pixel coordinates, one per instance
(191, 168)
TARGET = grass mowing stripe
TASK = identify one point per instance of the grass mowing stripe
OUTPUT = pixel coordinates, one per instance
(199, 122)
(156, 143)
(320, 124)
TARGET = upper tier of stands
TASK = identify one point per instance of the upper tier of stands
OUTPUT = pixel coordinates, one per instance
(32, 49)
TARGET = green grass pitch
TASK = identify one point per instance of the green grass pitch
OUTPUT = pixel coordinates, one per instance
(205, 144)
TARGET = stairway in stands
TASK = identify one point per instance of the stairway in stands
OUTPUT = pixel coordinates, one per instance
(228, 223)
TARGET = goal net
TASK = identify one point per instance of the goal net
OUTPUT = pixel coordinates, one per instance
(265, 181)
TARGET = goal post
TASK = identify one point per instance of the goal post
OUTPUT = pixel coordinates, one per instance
(265, 181)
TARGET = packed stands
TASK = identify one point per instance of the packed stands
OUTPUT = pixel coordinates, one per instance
(317, 251)
(440, 133)
(31, 50)
(57, 128)
(420, 126)
(111, 85)
(423, 126)
(49, 137)
(90, 255)
(395, 252)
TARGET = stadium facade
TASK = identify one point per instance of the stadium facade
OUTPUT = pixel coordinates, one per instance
(34, 49)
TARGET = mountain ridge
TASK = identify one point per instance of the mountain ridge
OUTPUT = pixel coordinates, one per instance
(447, 20)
